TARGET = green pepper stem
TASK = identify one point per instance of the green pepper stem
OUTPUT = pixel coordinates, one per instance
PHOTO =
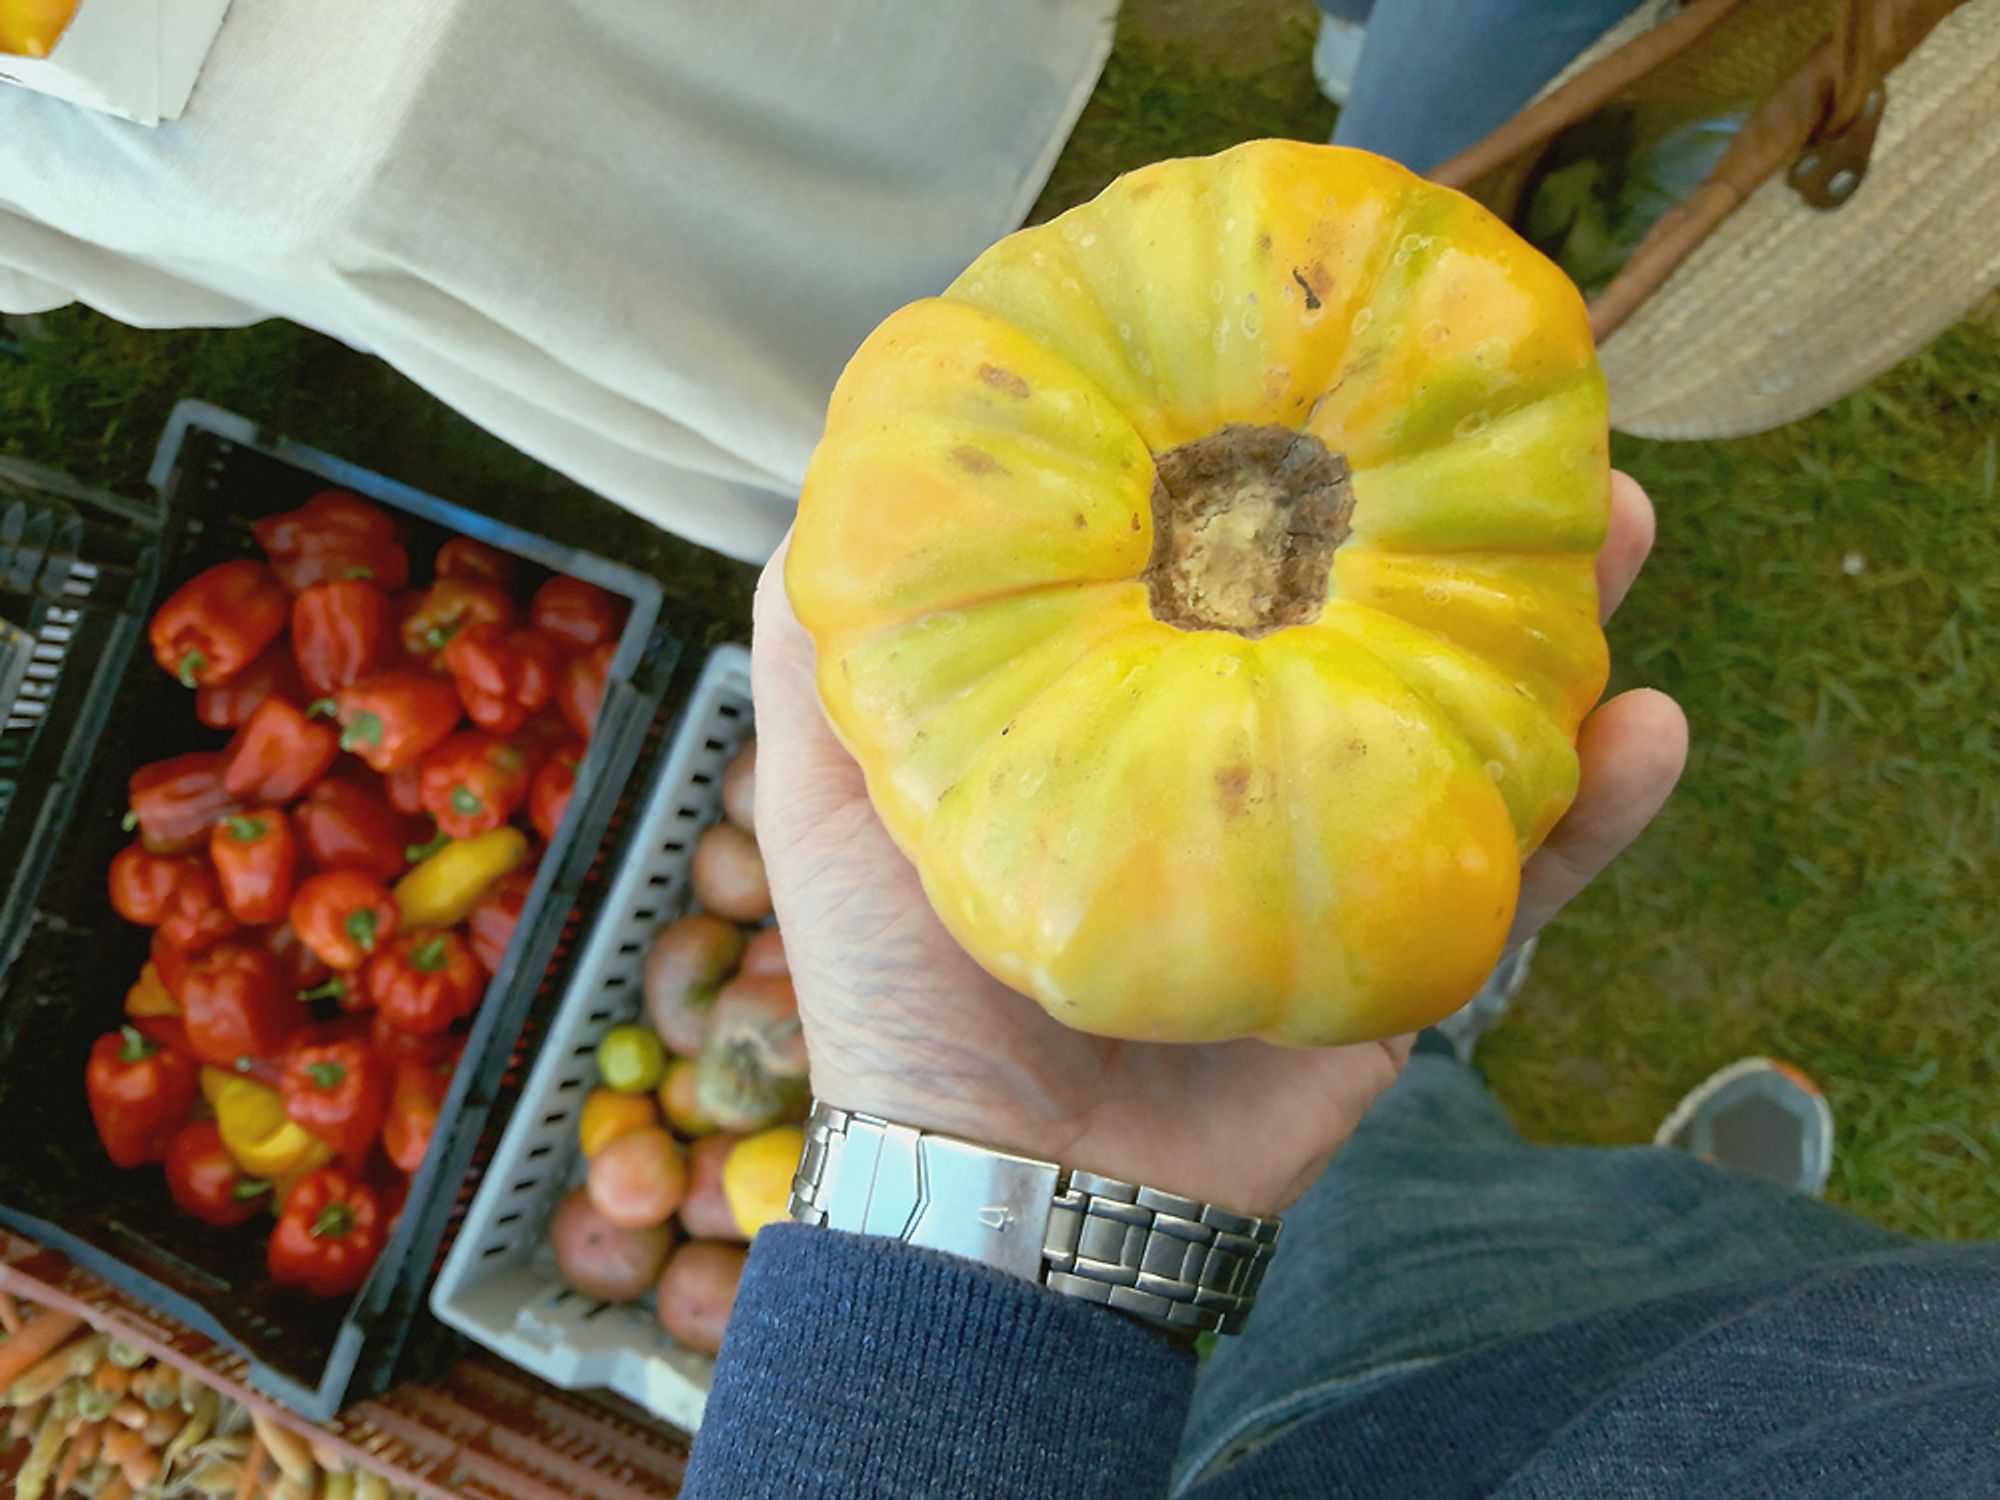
(365, 730)
(416, 854)
(193, 663)
(335, 1221)
(326, 1075)
(136, 1048)
(431, 956)
(243, 829)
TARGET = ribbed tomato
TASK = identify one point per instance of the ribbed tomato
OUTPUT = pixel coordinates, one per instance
(1205, 584)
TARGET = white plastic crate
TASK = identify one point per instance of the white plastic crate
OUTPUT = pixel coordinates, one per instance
(499, 1284)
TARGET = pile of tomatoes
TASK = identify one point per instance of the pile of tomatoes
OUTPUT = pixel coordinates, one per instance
(692, 1137)
(332, 888)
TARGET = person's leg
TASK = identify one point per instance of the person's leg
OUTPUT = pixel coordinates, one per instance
(1438, 1229)
(1437, 75)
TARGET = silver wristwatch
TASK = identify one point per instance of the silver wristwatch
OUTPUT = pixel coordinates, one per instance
(1170, 1260)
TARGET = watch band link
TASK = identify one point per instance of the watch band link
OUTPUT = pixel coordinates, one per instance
(1171, 1260)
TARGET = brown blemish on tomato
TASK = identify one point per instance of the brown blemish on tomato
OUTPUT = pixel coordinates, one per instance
(1004, 380)
(1263, 244)
(975, 461)
(1232, 789)
(1312, 297)
(1078, 521)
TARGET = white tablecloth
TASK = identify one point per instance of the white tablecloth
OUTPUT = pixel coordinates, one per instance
(636, 238)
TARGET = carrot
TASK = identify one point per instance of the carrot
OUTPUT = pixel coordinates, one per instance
(120, 1444)
(82, 1450)
(10, 1314)
(117, 1489)
(253, 1468)
(112, 1379)
(130, 1413)
(287, 1448)
(41, 1379)
(141, 1469)
(33, 1343)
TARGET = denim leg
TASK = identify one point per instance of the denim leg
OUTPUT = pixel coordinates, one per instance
(1437, 75)
(1437, 1229)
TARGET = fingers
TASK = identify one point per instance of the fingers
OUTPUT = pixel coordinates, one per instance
(1626, 543)
(796, 747)
(1632, 750)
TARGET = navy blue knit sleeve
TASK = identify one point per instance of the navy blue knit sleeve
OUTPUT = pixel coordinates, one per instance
(860, 1366)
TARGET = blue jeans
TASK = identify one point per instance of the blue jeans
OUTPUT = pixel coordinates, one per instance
(1438, 1229)
(1437, 75)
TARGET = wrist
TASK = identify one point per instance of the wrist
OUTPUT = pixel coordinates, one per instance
(1170, 1260)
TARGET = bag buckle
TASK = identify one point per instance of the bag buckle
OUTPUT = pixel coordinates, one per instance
(1833, 165)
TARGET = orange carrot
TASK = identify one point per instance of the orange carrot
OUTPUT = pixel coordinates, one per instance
(253, 1468)
(34, 1342)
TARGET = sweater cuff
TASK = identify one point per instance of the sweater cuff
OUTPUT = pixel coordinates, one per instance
(861, 1365)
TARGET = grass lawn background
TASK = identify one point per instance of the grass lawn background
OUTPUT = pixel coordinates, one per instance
(1824, 600)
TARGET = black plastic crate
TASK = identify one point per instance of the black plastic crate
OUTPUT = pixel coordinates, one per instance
(106, 708)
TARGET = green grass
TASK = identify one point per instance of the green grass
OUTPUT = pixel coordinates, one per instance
(1822, 886)
(1824, 600)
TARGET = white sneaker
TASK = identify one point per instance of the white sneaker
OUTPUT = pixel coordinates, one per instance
(1758, 1116)
(1337, 56)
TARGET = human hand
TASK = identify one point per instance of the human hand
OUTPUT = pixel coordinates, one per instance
(901, 1023)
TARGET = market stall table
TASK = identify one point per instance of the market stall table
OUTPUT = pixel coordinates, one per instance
(638, 243)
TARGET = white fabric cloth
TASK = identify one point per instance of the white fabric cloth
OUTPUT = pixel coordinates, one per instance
(637, 240)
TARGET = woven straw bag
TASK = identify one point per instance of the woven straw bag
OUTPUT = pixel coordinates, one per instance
(1855, 217)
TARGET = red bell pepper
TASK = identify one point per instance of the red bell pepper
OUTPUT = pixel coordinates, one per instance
(298, 966)
(449, 606)
(213, 626)
(580, 694)
(395, 720)
(335, 534)
(197, 916)
(503, 676)
(415, 1101)
(206, 1182)
(576, 615)
(228, 705)
(329, 1234)
(140, 1094)
(424, 981)
(490, 928)
(170, 961)
(175, 802)
(462, 557)
(237, 1005)
(554, 785)
(338, 631)
(344, 917)
(405, 790)
(143, 883)
(257, 862)
(473, 783)
(339, 1091)
(345, 826)
(278, 753)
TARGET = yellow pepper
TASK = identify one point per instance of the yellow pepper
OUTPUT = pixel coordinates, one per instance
(256, 1132)
(443, 890)
(148, 996)
(31, 28)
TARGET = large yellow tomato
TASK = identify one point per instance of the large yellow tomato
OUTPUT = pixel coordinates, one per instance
(1205, 584)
